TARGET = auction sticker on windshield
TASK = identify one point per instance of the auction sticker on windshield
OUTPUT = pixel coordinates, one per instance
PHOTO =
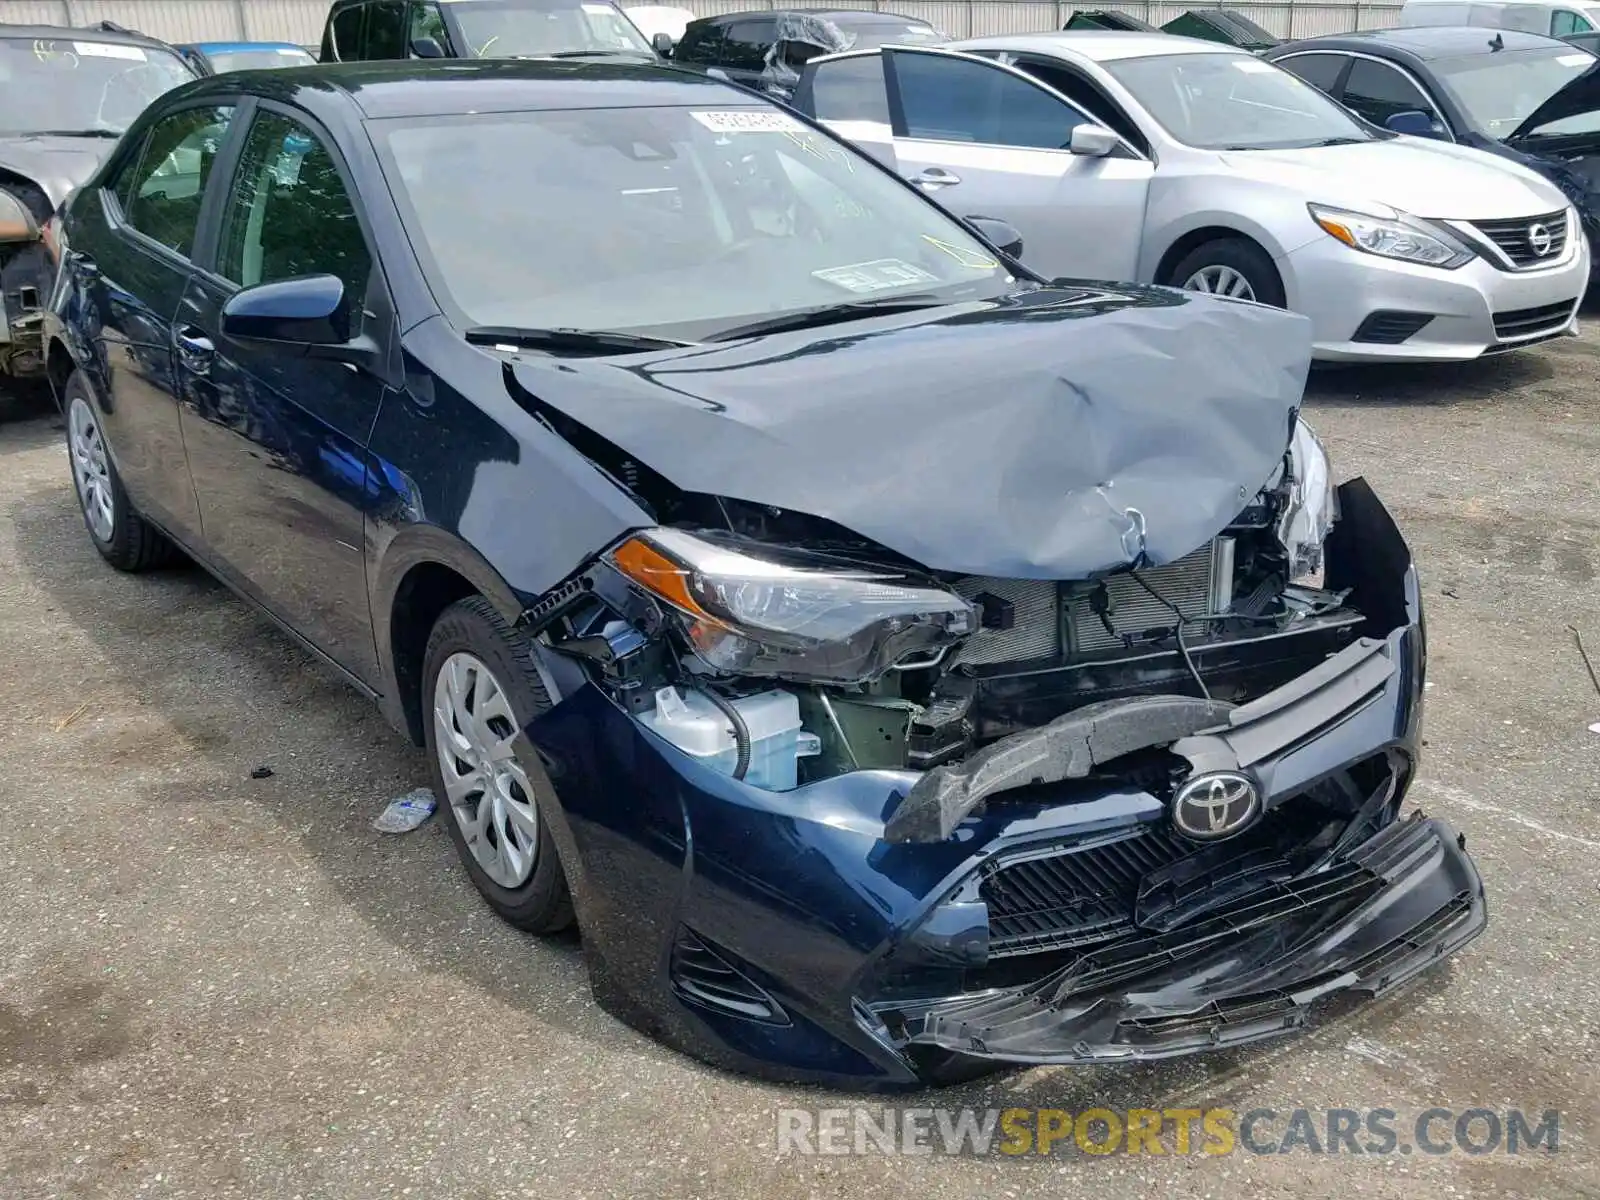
(748, 120)
(876, 275)
(109, 50)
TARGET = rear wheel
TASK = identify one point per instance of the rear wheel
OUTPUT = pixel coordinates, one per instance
(1234, 267)
(481, 687)
(124, 538)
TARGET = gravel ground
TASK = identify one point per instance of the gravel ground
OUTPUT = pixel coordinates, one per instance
(219, 986)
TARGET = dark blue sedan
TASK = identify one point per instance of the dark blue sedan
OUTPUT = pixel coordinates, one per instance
(897, 666)
(1531, 100)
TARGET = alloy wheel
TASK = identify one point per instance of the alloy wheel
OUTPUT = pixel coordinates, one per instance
(90, 471)
(486, 788)
(1220, 280)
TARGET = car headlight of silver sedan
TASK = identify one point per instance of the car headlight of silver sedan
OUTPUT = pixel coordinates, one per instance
(1397, 235)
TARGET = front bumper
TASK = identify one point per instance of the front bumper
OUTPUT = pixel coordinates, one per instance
(786, 935)
(1474, 310)
(1366, 923)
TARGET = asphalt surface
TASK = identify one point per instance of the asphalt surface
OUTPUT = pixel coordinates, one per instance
(218, 986)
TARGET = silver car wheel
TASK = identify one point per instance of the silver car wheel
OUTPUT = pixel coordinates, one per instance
(1220, 281)
(487, 790)
(89, 468)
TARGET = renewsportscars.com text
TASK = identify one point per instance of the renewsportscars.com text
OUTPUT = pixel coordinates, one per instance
(1167, 1131)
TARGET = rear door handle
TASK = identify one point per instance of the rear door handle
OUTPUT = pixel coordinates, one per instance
(195, 349)
(934, 178)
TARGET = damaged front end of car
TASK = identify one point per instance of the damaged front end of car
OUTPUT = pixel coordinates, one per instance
(834, 812)
(27, 271)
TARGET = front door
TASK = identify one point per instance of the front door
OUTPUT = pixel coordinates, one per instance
(276, 439)
(133, 263)
(987, 140)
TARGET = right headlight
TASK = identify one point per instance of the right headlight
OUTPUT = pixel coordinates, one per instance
(756, 610)
(1311, 506)
(1397, 235)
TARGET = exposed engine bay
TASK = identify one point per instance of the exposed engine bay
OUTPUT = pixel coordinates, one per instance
(783, 650)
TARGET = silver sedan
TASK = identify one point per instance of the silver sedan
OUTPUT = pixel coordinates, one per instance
(1169, 160)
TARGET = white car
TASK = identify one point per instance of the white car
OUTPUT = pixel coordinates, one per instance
(1160, 159)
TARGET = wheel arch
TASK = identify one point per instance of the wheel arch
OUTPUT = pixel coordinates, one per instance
(424, 570)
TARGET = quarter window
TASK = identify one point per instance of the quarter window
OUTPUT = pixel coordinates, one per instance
(289, 213)
(1377, 92)
(347, 33)
(162, 195)
(955, 100)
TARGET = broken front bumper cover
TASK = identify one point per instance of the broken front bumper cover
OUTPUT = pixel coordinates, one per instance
(1365, 923)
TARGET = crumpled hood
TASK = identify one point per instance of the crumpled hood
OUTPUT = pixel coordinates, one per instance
(1420, 176)
(1049, 435)
(1579, 96)
(56, 164)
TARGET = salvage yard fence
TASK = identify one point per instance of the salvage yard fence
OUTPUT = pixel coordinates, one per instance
(301, 20)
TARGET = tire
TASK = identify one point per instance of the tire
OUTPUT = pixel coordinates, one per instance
(124, 538)
(1238, 255)
(476, 663)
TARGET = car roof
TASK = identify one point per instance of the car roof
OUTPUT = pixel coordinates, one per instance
(1423, 42)
(232, 47)
(1097, 45)
(63, 32)
(406, 88)
(850, 16)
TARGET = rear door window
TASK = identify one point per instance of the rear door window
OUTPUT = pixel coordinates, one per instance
(1321, 71)
(162, 194)
(385, 36)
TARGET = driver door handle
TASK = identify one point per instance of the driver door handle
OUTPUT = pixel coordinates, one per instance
(933, 178)
(195, 349)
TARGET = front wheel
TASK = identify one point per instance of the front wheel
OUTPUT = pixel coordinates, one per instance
(481, 687)
(1235, 267)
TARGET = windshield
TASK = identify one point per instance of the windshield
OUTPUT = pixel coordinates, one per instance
(265, 59)
(530, 28)
(666, 222)
(1499, 92)
(878, 33)
(78, 86)
(1235, 102)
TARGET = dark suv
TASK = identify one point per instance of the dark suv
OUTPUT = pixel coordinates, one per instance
(366, 30)
(766, 49)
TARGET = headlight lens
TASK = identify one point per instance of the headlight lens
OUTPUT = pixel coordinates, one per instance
(1311, 509)
(1408, 238)
(763, 612)
(16, 222)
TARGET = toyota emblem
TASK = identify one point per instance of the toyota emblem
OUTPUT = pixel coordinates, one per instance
(1214, 806)
(1540, 239)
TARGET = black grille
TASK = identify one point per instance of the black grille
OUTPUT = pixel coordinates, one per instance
(1515, 240)
(702, 976)
(1388, 327)
(1069, 899)
(1525, 322)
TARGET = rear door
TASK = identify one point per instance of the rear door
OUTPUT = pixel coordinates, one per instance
(985, 139)
(132, 262)
(277, 439)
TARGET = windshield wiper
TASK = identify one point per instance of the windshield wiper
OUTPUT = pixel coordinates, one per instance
(828, 314)
(603, 53)
(1337, 141)
(99, 133)
(571, 341)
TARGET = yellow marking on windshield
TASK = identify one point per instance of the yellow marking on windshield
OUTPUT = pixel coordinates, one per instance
(967, 258)
(808, 142)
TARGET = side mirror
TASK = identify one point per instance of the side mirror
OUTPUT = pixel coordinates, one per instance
(426, 47)
(663, 44)
(1413, 122)
(1002, 235)
(1093, 141)
(307, 311)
